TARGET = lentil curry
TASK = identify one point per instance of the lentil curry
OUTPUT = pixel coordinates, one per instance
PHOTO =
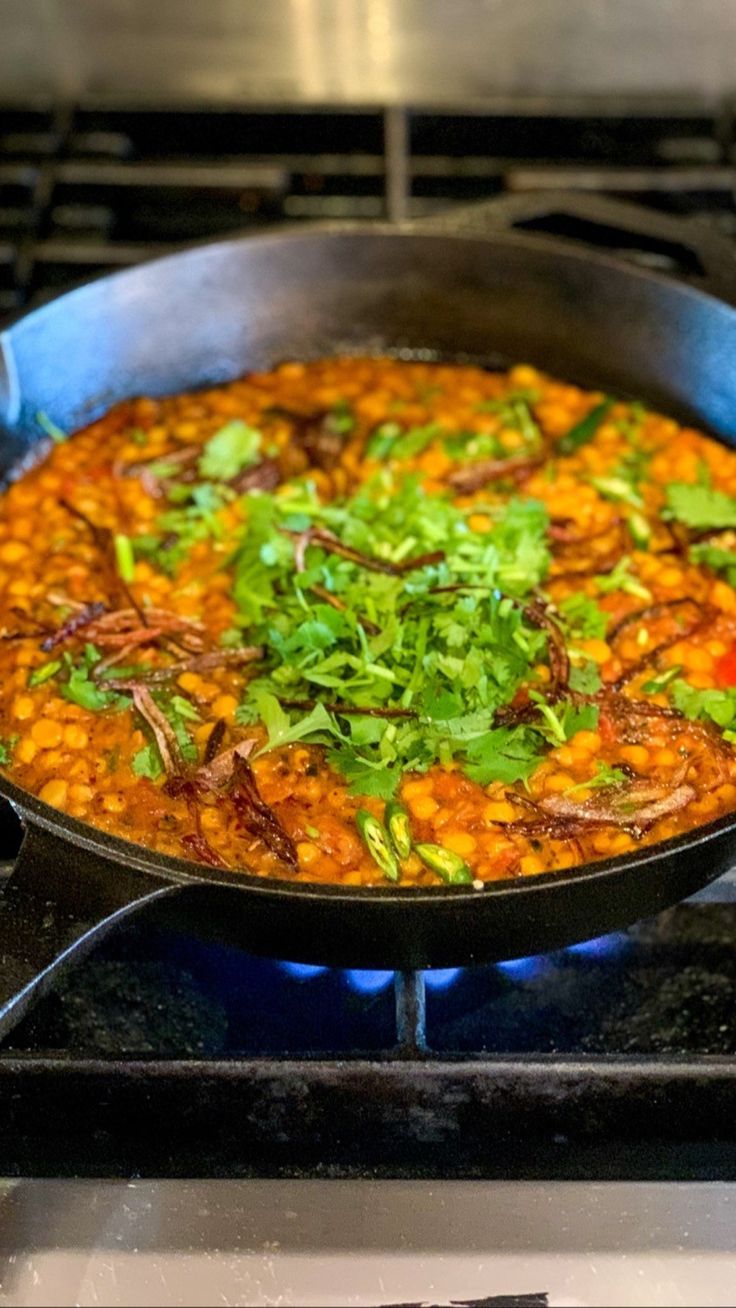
(363, 620)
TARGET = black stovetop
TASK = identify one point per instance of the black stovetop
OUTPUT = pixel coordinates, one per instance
(164, 1053)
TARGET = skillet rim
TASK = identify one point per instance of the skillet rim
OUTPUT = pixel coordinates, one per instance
(34, 812)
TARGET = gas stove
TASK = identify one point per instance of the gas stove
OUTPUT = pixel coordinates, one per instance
(165, 1055)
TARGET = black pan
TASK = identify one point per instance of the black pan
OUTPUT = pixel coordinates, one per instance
(487, 288)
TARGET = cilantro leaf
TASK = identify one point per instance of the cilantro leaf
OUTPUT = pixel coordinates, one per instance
(583, 617)
(585, 678)
(605, 777)
(700, 507)
(234, 447)
(282, 731)
(6, 750)
(439, 645)
(147, 763)
(80, 689)
(504, 754)
(718, 706)
(717, 558)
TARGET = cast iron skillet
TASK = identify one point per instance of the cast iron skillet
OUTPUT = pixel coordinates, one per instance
(480, 287)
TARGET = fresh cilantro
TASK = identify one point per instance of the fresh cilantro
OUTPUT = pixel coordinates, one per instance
(604, 778)
(79, 688)
(504, 754)
(6, 750)
(582, 617)
(700, 507)
(585, 678)
(717, 558)
(44, 673)
(365, 778)
(163, 468)
(513, 410)
(439, 645)
(473, 445)
(717, 706)
(50, 428)
(196, 517)
(560, 722)
(185, 708)
(282, 731)
(414, 441)
(234, 447)
(341, 419)
(179, 712)
(147, 763)
(382, 439)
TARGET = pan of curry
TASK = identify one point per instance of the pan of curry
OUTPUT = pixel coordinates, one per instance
(372, 590)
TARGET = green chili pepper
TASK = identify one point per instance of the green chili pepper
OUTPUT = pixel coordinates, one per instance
(397, 821)
(619, 490)
(375, 838)
(445, 863)
(584, 430)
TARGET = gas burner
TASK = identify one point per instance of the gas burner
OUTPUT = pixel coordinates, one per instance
(164, 1054)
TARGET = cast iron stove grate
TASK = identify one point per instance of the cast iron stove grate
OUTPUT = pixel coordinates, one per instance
(167, 1055)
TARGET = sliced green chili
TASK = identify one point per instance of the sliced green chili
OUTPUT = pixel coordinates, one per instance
(448, 865)
(375, 838)
(397, 821)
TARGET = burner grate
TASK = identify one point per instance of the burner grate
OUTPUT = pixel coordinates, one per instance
(85, 188)
(167, 1054)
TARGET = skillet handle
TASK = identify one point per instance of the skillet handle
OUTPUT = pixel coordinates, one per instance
(689, 247)
(58, 904)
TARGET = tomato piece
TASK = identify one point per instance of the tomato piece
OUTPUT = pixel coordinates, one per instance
(606, 729)
(725, 669)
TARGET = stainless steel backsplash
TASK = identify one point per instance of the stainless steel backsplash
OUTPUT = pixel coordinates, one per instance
(364, 51)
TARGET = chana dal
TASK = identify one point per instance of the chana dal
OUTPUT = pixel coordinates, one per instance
(370, 621)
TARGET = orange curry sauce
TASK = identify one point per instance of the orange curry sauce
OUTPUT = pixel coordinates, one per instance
(129, 647)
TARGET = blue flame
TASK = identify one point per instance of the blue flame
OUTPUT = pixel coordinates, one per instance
(442, 977)
(302, 971)
(367, 982)
(525, 969)
(599, 946)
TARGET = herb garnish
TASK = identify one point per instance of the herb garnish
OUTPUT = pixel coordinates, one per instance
(449, 646)
(234, 447)
(700, 507)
